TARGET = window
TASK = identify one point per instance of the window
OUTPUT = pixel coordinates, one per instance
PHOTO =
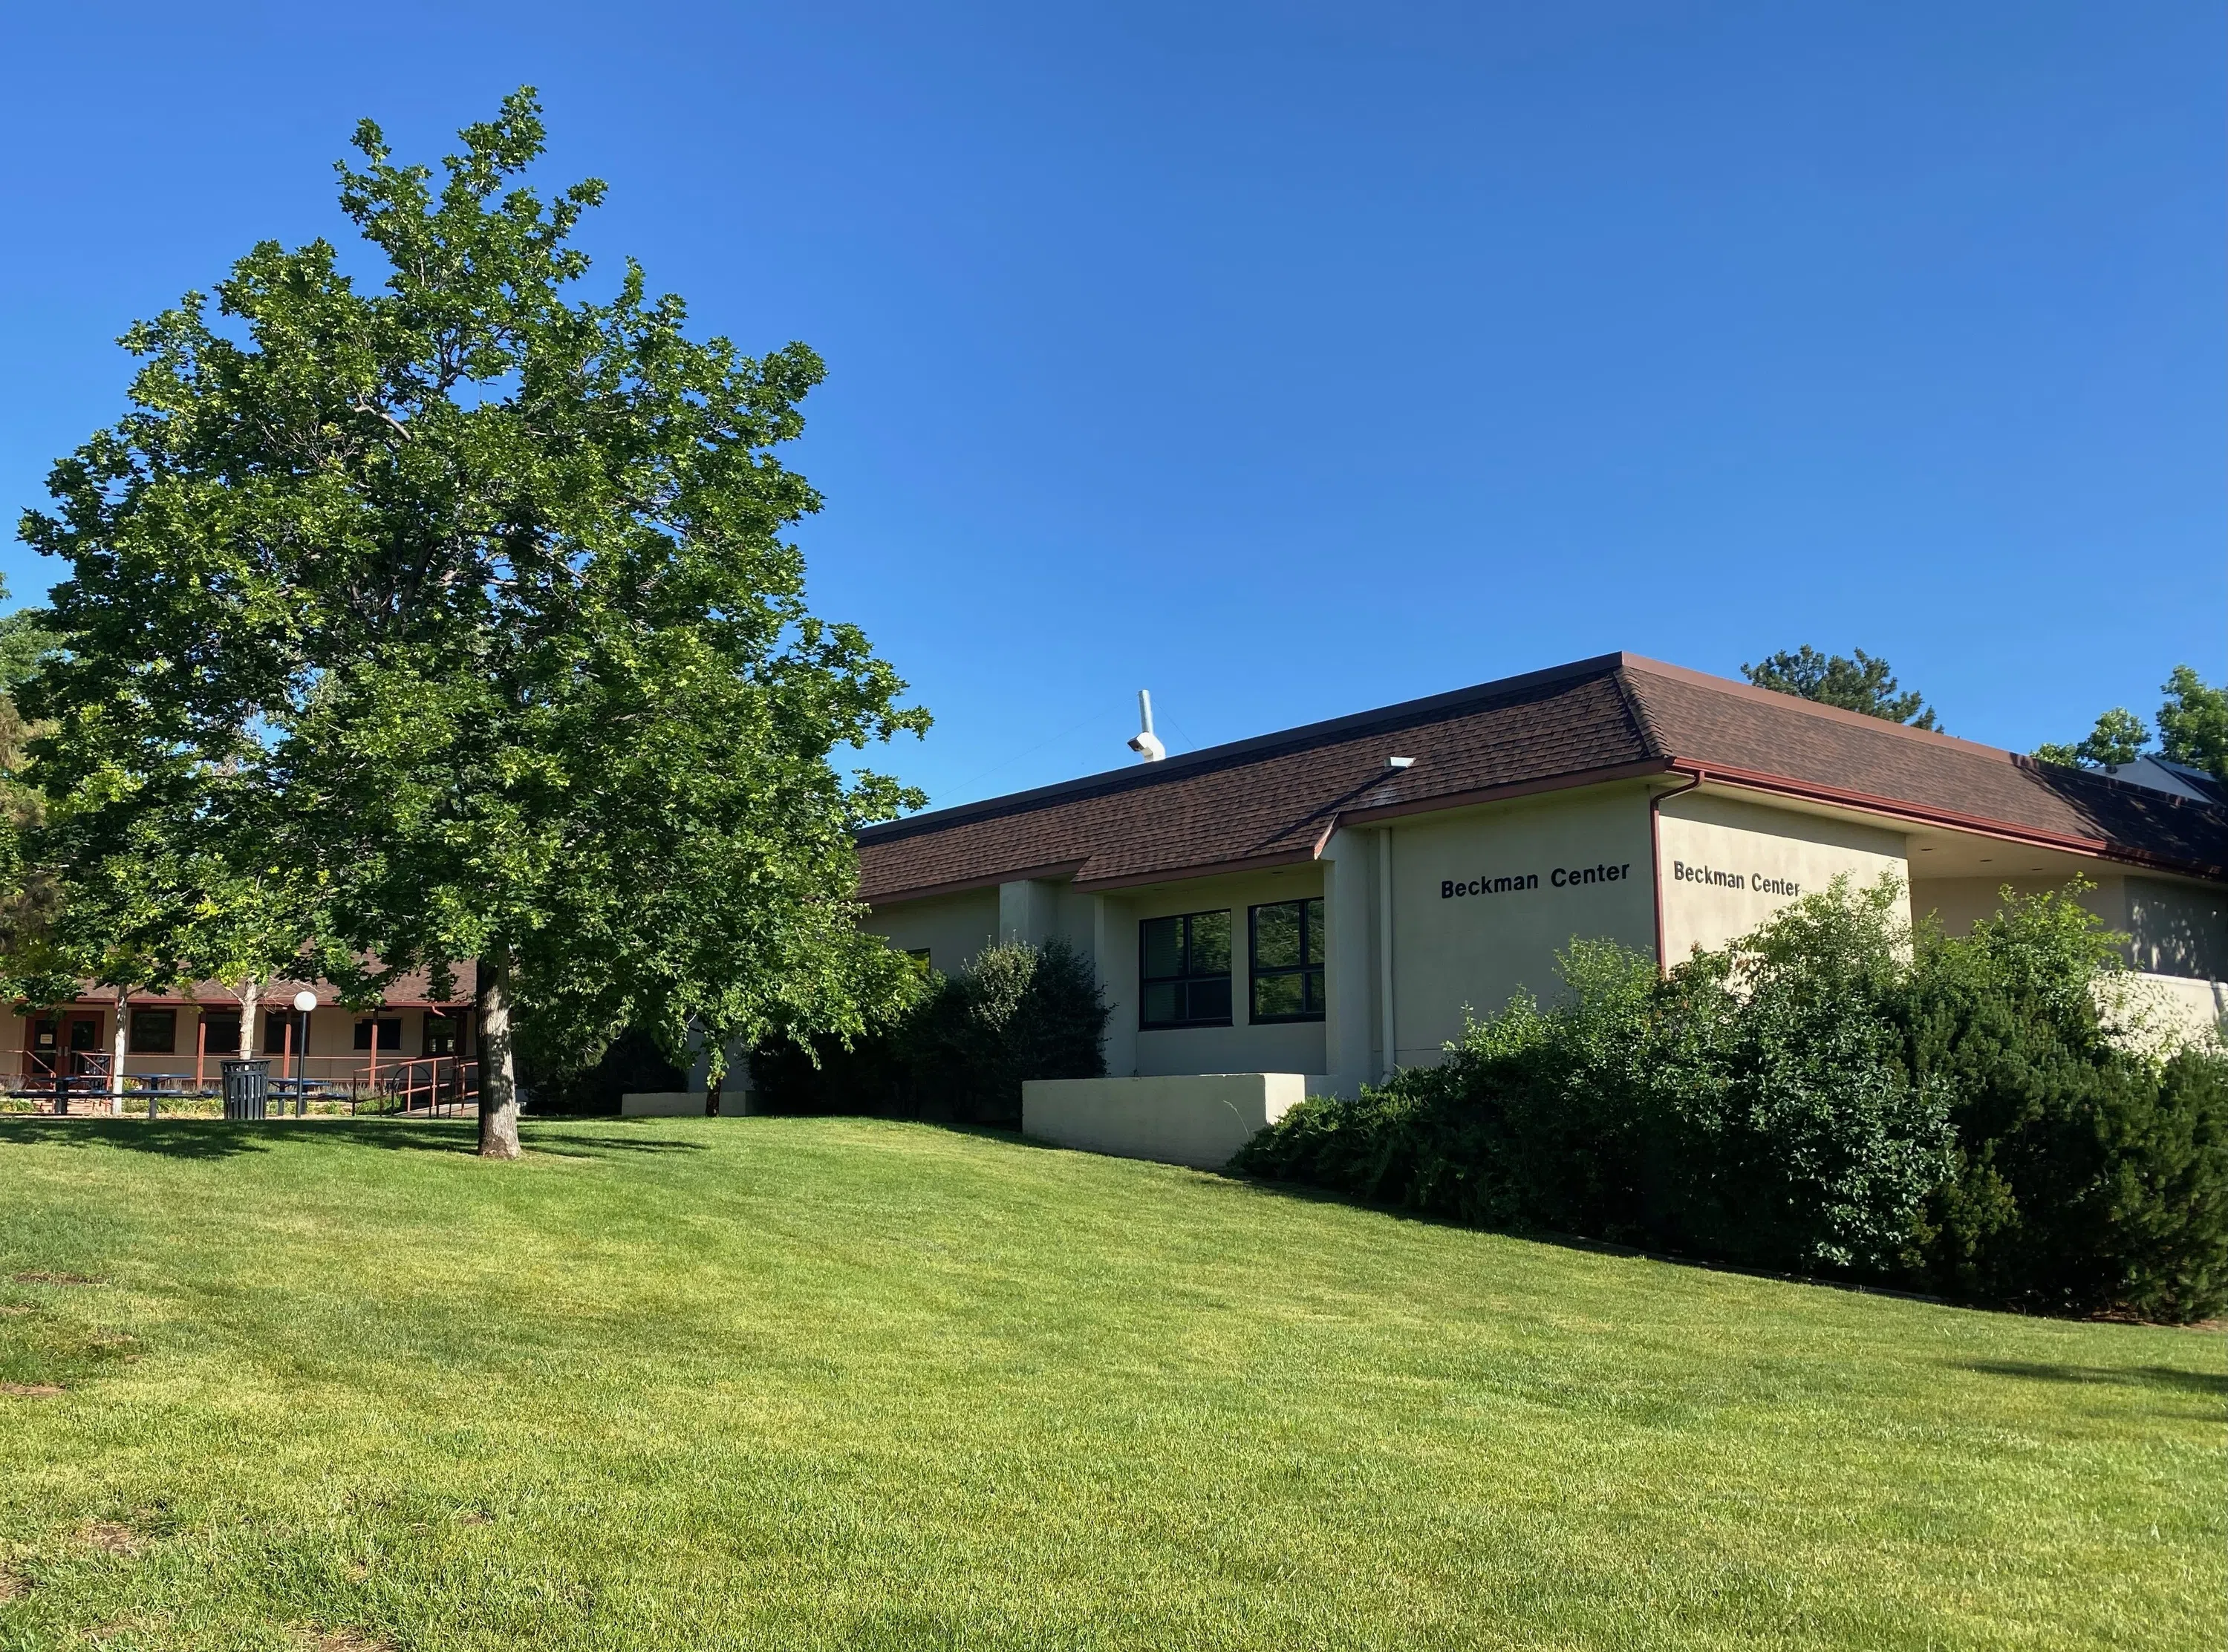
(445, 1034)
(154, 1032)
(918, 957)
(390, 1034)
(220, 1034)
(1288, 961)
(1183, 970)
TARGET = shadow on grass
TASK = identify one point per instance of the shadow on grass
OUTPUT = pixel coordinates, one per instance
(543, 1138)
(219, 1138)
(2148, 1376)
(1304, 1194)
(208, 1138)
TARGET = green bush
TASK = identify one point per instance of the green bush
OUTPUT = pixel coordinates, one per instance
(960, 1051)
(2089, 1175)
(579, 1088)
(1831, 1095)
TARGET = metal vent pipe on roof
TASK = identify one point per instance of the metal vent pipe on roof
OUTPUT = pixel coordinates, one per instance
(1145, 742)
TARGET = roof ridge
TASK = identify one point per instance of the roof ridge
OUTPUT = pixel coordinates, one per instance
(1636, 709)
(1773, 699)
(1776, 701)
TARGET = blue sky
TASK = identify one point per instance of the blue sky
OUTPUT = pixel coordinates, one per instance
(1294, 359)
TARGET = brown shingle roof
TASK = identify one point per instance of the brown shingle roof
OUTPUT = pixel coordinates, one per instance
(411, 989)
(1276, 798)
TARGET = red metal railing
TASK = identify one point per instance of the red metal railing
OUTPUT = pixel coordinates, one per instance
(364, 1083)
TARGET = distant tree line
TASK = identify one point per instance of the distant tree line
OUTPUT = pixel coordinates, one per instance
(2193, 724)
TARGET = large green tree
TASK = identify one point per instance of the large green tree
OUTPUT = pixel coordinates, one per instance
(1865, 684)
(481, 589)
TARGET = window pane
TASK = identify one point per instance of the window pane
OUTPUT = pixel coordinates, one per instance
(1315, 992)
(1315, 910)
(1210, 999)
(220, 1034)
(1160, 948)
(1160, 1005)
(154, 1032)
(1276, 936)
(1277, 995)
(1210, 948)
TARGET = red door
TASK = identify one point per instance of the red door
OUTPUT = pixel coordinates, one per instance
(86, 1055)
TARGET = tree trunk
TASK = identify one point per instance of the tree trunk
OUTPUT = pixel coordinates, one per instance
(498, 1071)
(250, 996)
(116, 1061)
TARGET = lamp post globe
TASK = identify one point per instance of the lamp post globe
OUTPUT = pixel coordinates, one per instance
(304, 1001)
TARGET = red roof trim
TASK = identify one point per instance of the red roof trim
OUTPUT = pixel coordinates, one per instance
(1211, 869)
(971, 886)
(1571, 781)
(1867, 803)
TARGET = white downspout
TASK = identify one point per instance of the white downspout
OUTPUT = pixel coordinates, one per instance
(1384, 944)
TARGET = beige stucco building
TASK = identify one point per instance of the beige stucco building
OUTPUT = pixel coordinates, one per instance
(1332, 900)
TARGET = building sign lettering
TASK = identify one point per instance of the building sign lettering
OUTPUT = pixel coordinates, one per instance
(1513, 883)
(1682, 873)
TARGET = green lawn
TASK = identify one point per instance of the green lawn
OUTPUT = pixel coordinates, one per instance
(810, 1382)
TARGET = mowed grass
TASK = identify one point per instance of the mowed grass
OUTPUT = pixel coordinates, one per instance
(835, 1383)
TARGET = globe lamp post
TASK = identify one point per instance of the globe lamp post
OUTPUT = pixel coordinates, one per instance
(304, 1001)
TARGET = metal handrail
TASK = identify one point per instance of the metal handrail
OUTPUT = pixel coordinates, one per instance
(424, 1085)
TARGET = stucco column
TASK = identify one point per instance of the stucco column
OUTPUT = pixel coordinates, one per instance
(1349, 960)
(1114, 950)
(1028, 911)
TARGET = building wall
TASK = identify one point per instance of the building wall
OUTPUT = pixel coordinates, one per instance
(331, 1037)
(1241, 1047)
(954, 927)
(1569, 865)
(1728, 863)
(2178, 930)
(2173, 928)
(1958, 903)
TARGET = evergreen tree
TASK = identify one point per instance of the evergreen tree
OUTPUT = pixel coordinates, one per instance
(1864, 684)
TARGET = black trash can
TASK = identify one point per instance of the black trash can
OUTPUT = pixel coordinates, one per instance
(247, 1088)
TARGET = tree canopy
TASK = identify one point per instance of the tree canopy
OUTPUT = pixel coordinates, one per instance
(440, 615)
(1864, 684)
(2193, 731)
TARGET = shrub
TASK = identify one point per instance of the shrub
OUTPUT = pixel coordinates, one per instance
(960, 1051)
(1831, 1095)
(2090, 1171)
(576, 1087)
(1752, 1106)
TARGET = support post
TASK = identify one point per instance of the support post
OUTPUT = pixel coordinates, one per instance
(117, 1043)
(1385, 949)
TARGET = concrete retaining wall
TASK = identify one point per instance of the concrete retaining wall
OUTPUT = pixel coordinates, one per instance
(1198, 1119)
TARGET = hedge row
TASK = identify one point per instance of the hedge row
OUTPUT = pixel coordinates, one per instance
(1967, 1116)
(959, 1052)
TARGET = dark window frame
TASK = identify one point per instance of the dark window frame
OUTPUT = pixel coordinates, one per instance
(1189, 980)
(1310, 975)
(389, 1035)
(152, 1015)
(435, 1024)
